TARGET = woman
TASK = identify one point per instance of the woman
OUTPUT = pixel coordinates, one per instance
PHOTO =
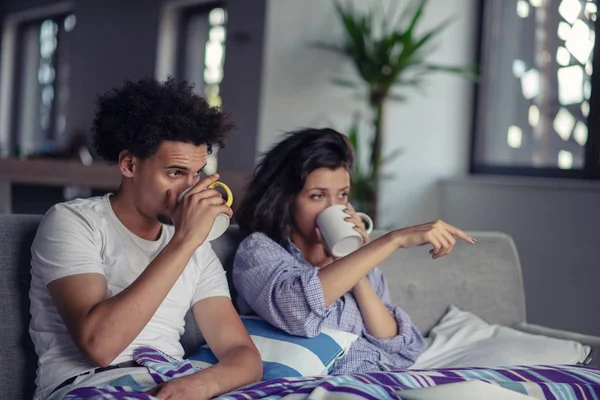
(284, 273)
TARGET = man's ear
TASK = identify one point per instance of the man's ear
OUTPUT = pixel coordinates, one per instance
(127, 163)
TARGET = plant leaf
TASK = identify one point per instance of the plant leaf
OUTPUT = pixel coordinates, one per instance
(355, 40)
(405, 16)
(344, 82)
(391, 156)
(353, 138)
(334, 48)
(416, 17)
(468, 72)
(438, 29)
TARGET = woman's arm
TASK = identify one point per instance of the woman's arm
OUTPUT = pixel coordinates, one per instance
(379, 321)
(343, 274)
(408, 344)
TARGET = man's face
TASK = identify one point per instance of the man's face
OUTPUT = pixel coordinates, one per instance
(158, 180)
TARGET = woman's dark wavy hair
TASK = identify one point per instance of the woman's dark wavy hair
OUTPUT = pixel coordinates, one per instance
(280, 176)
(140, 115)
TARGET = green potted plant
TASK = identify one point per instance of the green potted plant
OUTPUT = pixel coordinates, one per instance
(388, 53)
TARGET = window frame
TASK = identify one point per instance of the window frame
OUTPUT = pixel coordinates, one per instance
(10, 57)
(591, 168)
(51, 133)
(186, 14)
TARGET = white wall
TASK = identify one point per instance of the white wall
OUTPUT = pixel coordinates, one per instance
(432, 129)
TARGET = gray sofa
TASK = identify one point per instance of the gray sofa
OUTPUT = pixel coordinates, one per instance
(485, 279)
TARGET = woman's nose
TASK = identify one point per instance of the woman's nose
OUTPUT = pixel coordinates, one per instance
(335, 200)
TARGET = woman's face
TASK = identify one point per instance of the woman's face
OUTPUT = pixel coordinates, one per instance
(323, 188)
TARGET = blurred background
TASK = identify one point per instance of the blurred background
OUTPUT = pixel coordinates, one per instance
(479, 112)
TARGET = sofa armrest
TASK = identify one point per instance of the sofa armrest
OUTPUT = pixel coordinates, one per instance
(589, 340)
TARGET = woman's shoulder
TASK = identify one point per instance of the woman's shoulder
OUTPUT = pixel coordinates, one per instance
(256, 239)
(259, 243)
(259, 250)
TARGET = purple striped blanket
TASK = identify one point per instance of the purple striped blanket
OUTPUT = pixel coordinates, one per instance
(541, 382)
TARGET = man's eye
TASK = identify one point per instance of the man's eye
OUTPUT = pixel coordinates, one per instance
(175, 173)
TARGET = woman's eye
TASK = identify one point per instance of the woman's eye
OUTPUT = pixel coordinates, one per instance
(344, 195)
(316, 196)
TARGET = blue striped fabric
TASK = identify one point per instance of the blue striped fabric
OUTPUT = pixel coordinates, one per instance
(286, 355)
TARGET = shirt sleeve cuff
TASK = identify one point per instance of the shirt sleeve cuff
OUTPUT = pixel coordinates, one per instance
(409, 340)
(53, 275)
(314, 294)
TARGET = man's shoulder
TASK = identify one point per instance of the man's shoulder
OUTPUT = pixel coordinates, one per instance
(79, 214)
(92, 207)
(69, 240)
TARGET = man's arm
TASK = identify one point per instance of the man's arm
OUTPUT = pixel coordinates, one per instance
(103, 327)
(239, 360)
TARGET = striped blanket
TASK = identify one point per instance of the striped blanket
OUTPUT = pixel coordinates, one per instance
(541, 382)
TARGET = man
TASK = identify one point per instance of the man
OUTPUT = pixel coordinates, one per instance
(117, 273)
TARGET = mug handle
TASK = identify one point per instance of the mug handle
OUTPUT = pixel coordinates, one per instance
(229, 201)
(368, 220)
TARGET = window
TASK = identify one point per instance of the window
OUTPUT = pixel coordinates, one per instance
(535, 107)
(202, 55)
(41, 94)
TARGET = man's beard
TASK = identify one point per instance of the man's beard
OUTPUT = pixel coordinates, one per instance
(165, 219)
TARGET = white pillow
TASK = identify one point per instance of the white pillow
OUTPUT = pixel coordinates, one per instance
(462, 339)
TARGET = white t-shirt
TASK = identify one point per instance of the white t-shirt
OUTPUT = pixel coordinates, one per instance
(85, 236)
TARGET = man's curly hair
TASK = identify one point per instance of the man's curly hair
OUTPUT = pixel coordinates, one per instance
(140, 115)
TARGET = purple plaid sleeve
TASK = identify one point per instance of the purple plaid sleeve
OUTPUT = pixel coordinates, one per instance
(278, 287)
(276, 283)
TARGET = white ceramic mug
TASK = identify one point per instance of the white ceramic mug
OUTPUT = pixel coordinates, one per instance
(222, 221)
(339, 234)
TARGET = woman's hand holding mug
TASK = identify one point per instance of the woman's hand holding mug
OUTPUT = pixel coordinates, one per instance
(359, 219)
(342, 229)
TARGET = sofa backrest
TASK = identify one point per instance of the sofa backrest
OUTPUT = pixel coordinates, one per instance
(18, 360)
(485, 279)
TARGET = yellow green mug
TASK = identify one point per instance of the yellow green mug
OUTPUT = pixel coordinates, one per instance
(229, 200)
(213, 185)
(222, 220)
